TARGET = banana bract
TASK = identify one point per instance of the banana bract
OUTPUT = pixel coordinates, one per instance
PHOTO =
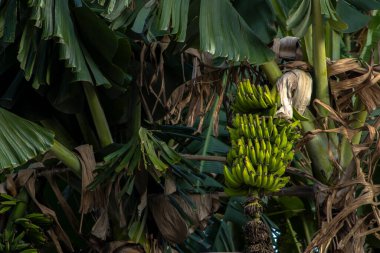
(262, 144)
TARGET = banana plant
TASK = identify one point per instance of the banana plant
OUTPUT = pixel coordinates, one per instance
(132, 78)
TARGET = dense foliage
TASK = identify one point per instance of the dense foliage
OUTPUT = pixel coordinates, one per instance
(114, 120)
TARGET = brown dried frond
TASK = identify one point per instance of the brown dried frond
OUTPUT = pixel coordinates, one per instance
(171, 223)
(349, 77)
(342, 228)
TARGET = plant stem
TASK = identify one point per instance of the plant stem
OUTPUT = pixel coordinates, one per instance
(307, 46)
(306, 229)
(358, 121)
(347, 42)
(272, 71)
(67, 157)
(319, 55)
(19, 209)
(335, 47)
(294, 236)
(328, 40)
(87, 132)
(317, 150)
(60, 132)
(98, 115)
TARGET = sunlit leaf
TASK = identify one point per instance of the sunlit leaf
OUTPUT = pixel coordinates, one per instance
(21, 140)
(226, 34)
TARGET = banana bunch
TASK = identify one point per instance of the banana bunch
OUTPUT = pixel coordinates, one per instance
(33, 224)
(262, 153)
(264, 127)
(252, 97)
(26, 233)
(245, 176)
(262, 146)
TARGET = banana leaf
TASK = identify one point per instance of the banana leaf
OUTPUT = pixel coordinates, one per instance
(225, 33)
(21, 140)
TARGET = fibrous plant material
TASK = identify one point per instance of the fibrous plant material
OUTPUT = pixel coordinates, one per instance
(295, 88)
(262, 148)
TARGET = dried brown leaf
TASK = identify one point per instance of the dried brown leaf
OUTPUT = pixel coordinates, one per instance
(11, 185)
(170, 185)
(102, 226)
(295, 88)
(170, 222)
(197, 96)
(90, 199)
(343, 65)
(342, 229)
(348, 77)
(287, 48)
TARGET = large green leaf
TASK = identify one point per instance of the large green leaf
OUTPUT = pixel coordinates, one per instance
(50, 21)
(225, 33)
(299, 18)
(166, 17)
(263, 22)
(90, 50)
(110, 52)
(21, 140)
(113, 8)
(328, 11)
(9, 17)
(176, 14)
(346, 12)
(366, 5)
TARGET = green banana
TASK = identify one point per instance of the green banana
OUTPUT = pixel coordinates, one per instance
(270, 126)
(255, 91)
(270, 181)
(238, 172)
(253, 132)
(284, 138)
(261, 156)
(272, 163)
(253, 155)
(249, 166)
(264, 180)
(230, 179)
(245, 176)
(267, 157)
(266, 133)
(259, 175)
(262, 145)
(280, 170)
(39, 218)
(248, 86)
